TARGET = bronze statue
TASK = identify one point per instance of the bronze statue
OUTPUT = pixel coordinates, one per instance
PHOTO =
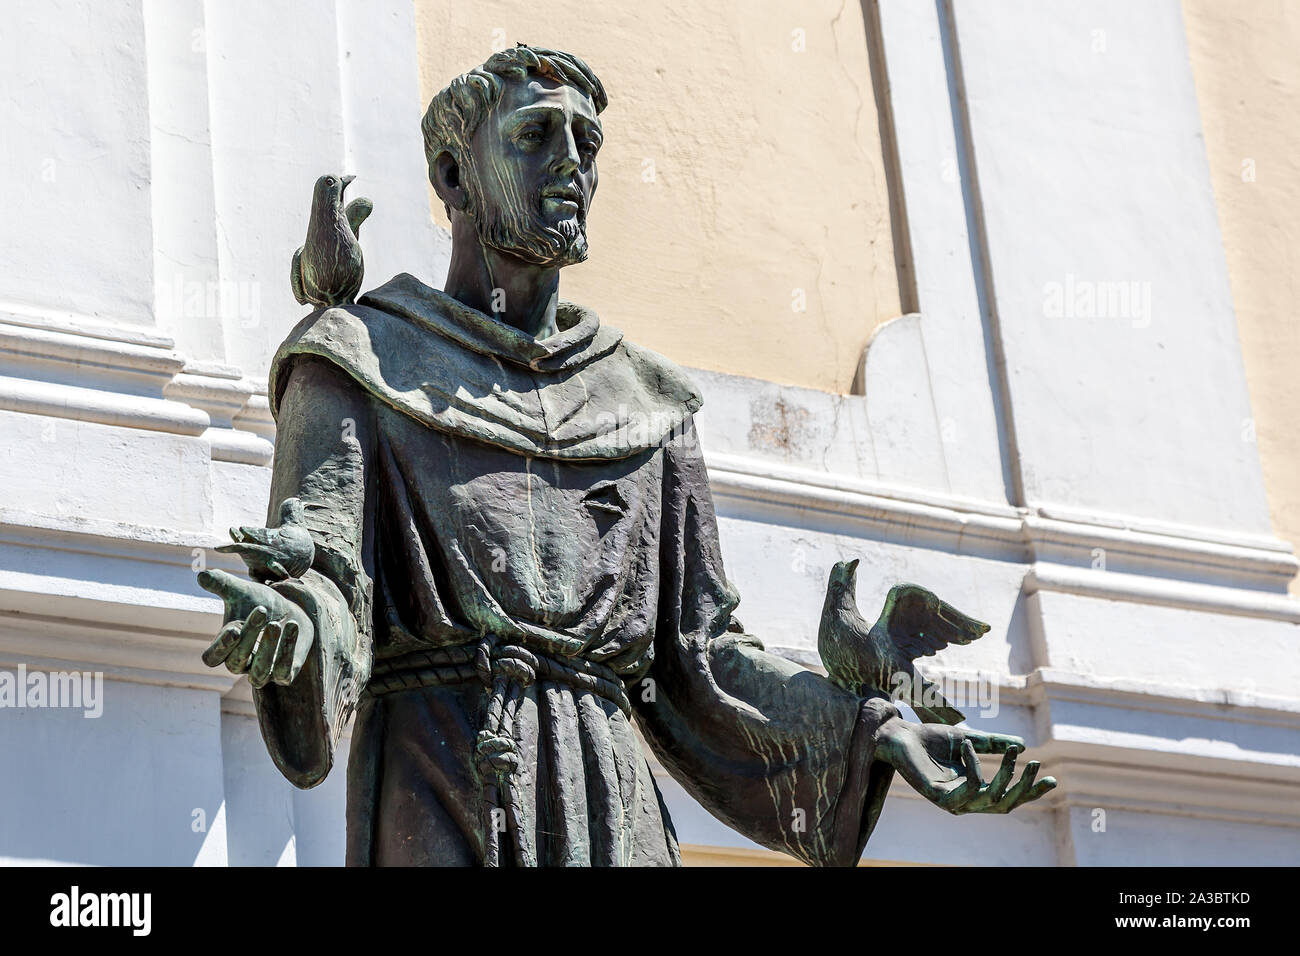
(516, 560)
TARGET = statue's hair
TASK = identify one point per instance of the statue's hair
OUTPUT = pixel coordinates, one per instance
(456, 112)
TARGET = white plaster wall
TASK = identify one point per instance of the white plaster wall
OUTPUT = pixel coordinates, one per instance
(76, 157)
(269, 821)
(161, 157)
(342, 98)
(1086, 148)
(121, 789)
(1186, 841)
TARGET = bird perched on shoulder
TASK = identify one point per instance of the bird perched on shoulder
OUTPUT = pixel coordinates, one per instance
(327, 268)
(914, 623)
(274, 554)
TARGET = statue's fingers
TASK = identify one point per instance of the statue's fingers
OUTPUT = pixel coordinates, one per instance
(301, 648)
(252, 631)
(954, 795)
(226, 640)
(972, 764)
(1044, 786)
(1015, 796)
(221, 583)
(235, 593)
(1041, 787)
(994, 743)
(259, 671)
(1006, 773)
(283, 672)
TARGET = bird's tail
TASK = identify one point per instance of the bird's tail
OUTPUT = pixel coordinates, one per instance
(295, 278)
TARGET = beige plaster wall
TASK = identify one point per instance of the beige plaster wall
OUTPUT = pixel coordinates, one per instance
(1247, 68)
(737, 169)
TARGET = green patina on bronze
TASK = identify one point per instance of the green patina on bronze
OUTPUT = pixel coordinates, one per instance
(512, 561)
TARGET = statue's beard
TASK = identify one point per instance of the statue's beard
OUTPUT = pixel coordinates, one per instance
(514, 224)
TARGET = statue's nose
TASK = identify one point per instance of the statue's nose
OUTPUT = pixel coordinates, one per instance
(567, 163)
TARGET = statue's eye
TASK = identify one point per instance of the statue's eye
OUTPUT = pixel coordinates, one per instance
(330, 181)
(531, 135)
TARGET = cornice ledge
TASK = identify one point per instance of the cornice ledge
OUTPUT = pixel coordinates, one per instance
(1255, 564)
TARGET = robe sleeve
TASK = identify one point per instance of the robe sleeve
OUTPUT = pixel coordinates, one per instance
(324, 455)
(775, 751)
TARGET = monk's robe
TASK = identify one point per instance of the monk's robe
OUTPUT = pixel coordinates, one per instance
(517, 567)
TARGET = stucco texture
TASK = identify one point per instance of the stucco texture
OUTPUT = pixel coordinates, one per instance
(1248, 84)
(740, 174)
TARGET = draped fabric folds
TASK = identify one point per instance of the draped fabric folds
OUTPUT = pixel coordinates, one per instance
(517, 570)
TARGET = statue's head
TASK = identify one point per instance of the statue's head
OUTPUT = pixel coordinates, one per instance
(512, 147)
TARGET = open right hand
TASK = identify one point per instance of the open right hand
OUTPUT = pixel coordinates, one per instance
(265, 635)
(940, 763)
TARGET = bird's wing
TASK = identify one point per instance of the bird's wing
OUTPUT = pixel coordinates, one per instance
(920, 624)
(357, 211)
(295, 277)
(266, 537)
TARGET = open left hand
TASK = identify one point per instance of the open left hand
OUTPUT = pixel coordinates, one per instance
(941, 763)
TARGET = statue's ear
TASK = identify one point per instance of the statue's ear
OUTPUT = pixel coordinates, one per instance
(445, 175)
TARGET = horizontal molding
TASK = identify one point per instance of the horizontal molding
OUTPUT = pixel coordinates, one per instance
(117, 539)
(132, 380)
(160, 593)
(223, 395)
(89, 326)
(1112, 770)
(1268, 558)
(238, 700)
(124, 652)
(160, 644)
(1047, 684)
(1096, 783)
(1172, 563)
(100, 406)
(82, 351)
(1053, 684)
(1247, 574)
(1138, 525)
(256, 416)
(762, 480)
(768, 482)
(1164, 592)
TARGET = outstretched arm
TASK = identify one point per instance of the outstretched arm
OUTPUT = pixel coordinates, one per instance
(778, 752)
(305, 642)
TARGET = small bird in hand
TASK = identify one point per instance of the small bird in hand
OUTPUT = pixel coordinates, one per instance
(914, 623)
(274, 554)
(327, 269)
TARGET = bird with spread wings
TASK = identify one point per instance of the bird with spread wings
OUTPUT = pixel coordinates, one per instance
(938, 758)
(880, 657)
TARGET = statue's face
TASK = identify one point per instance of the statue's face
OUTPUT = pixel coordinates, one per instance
(534, 172)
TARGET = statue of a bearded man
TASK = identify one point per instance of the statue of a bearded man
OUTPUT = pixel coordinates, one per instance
(516, 561)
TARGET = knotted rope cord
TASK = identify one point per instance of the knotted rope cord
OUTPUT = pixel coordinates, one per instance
(506, 671)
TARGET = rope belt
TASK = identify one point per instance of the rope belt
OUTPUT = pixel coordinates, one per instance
(506, 671)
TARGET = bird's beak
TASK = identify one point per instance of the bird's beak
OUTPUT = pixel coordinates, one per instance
(347, 181)
(845, 572)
